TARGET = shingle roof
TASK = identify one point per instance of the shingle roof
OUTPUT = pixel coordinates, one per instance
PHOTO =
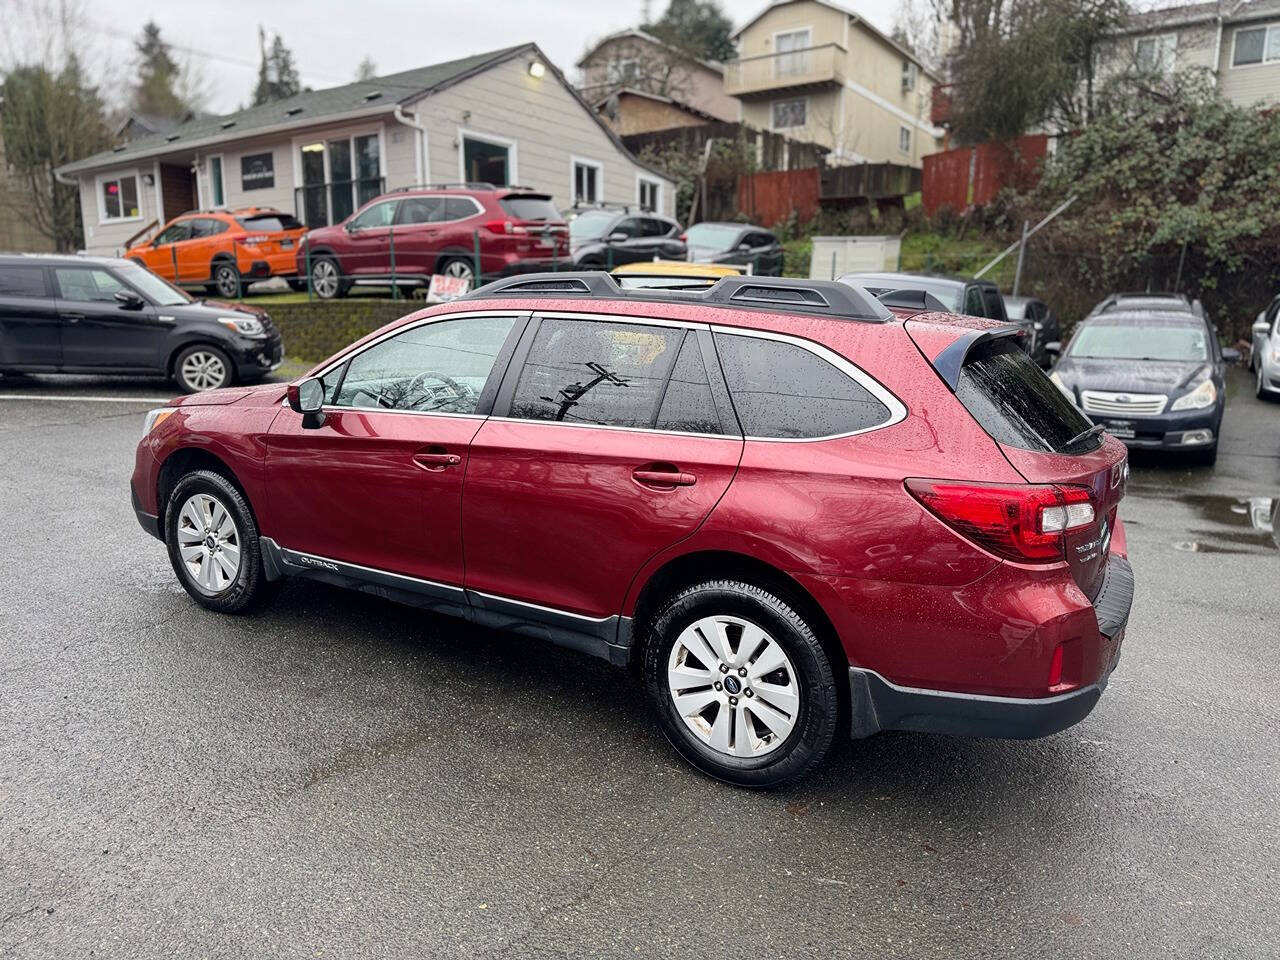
(379, 94)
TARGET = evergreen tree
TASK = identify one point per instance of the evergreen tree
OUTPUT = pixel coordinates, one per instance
(277, 75)
(698, 27)
(156, 94)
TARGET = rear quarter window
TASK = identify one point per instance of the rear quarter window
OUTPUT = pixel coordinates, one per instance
(22, 281)
(272, 223)
(1016, 402)
(530, 208)
(782, 390)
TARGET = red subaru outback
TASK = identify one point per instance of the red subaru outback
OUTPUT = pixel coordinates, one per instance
(793, 511)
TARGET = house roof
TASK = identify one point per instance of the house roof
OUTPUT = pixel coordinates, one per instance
(634, 92)
(1187, 14)
(866, 24)
(637, 34)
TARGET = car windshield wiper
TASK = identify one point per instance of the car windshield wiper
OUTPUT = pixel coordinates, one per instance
(1083, 435)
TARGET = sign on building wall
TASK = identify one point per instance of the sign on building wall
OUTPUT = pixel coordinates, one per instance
(257, 172)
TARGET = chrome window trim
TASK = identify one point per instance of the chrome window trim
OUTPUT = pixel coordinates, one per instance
(479, 209)
(737, 438)
(897, 410)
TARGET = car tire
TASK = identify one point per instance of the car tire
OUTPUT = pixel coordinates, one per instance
(326, 279)
(458, 267)
(212, 538)
(1260, 389)
(741, 726)
(226, 281)
(202, 366)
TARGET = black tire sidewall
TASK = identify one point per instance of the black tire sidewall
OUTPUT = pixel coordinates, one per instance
(814, 731)
(250, 585)
(197, 348)
(222, 269)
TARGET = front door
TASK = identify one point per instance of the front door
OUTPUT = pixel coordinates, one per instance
(367, 249)
(611, 448)
(379, 484)
(100, 331)
(28, 318)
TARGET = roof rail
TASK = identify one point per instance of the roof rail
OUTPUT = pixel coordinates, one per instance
(829, 298)
(461, 185)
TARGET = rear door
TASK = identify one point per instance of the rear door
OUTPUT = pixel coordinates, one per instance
(100, 331)
(162, 257)
(609, 442)
(29, 321)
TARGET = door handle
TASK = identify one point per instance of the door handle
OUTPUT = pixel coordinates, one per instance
(664, 478)
(436, 462)
(73, 317)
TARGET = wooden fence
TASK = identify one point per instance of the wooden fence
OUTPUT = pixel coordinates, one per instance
(972, 176)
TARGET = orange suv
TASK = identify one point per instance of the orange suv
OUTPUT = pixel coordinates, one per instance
(222, 250)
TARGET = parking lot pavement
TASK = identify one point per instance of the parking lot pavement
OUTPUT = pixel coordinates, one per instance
(343, 777)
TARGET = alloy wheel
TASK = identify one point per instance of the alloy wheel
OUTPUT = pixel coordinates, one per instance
(459, 268)
(208, 543)
(733, 686)
(203, 370)
(227, 280)
(324, 279)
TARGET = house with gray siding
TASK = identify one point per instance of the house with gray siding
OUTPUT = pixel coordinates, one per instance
(504, 117)
(1236, 43)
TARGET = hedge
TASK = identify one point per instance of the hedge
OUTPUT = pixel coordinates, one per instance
(316, 330)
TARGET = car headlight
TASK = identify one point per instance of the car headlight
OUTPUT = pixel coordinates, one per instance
(1275, 352)
(156, 417)
(245, 326)
(1199, 398)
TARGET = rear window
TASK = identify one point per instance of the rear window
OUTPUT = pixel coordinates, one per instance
(270, 223)
(1016, 402)
(530, 208)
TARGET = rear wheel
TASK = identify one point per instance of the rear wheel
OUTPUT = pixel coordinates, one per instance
(213, 543)
(462, 267)
(740, 684)
(202, 367)
(226, 280)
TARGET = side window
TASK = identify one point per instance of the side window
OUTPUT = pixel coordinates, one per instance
(440, 366)
(420, 210)
(654, 228)
(973, 302)
(20, 281)
(994, 303)
(175, 233)
(459, 208)
(379, 215)
(86, 285)
(593, 372)
(631, 226)
(206, 228)
(758, 240)
(687, 406)
(782, 390)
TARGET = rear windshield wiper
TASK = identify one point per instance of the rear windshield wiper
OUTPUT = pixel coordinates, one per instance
(1083, 435)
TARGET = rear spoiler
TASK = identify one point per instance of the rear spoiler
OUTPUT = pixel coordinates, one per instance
(949, 362)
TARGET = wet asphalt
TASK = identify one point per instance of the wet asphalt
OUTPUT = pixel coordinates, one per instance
(343, 777)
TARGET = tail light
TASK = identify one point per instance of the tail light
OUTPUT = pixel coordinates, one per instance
(684, 238)
(253, 238)
(1026, 522)
(506, 226)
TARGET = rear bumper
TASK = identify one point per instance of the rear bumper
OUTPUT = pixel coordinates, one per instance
(879, 704)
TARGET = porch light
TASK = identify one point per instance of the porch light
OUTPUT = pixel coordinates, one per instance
(537, 69)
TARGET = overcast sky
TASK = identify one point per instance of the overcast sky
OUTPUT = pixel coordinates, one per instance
(330, 37)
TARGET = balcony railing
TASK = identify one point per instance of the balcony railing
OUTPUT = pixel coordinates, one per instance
(792, 69)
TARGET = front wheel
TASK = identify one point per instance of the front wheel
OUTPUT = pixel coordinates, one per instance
(1260, 388)
(326, 279)
(202, 367)
(740, 684)
(213, 543)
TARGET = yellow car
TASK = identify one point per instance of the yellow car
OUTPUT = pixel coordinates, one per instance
(673, 273)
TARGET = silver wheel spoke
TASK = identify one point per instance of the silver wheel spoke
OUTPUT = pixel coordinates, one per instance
(694, 642)
(191, 553)
(691, 704)
(752, 638)
(188, 535)
(743, 735)
(770, 660)
(232, 554)
(225, 566)
(720, 729)
(717, 635)
(783, 698)
(776, 721)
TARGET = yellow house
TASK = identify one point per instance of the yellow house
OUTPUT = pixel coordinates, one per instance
(812, 70)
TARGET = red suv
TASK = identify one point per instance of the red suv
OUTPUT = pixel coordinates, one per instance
(791, 510)
(407, 235)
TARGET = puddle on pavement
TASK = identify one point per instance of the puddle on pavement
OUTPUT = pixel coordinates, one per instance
(1252, 521)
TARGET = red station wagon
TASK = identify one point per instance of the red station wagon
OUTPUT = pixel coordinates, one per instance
(792, 511)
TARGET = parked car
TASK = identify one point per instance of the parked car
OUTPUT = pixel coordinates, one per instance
(1043, 325)
(1148, 300)
(409, 234)
(73, 314)
(1264, 355)
(791, 509)
(657, 274)
(1154, 379)
(222, 250)
(739, 243)
(602, 237)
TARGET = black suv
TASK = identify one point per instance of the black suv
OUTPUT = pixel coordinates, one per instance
(603, 237)
(73, 314)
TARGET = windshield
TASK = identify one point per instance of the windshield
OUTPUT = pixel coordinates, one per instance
(590, 225)
(712, 236)
(1180, 342)
(159, 292)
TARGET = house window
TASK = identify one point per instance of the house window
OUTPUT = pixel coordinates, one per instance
(908, 76)
(215, 181)
(647, 194)
(622, 71)
(791, 49)
(486, 160)
(338, 177)
(118, 198)
(904, 139)
(790, 113)
(1156, 54)
(1256, 45)
(587, 177)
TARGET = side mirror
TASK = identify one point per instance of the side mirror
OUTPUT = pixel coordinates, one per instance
(1230, 354)
(307, 398)
(618, 237)
(1053, 347)
(1262, 328)
(129, 300)
(349, 226)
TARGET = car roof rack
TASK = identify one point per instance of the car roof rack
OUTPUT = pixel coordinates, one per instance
(460, 185)
(913, 299)
(828, 298)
